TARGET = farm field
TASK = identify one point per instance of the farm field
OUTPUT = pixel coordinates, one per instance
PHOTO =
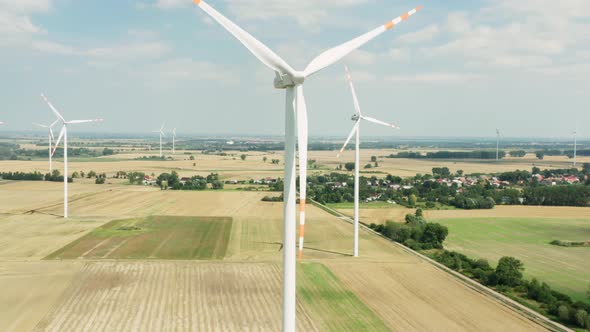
(183, 294)
(410, 167)
(527, 239)
(380, 215)
(155, 237)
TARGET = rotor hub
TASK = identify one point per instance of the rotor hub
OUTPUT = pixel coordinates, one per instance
(355, 117)
(283, 81)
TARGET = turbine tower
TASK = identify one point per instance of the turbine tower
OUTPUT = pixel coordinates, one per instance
(497, 144)
(575, 133)
(173, 140)
(64, 134)
(357, 117)
(51, 138)
(161, 132)
(295, 122)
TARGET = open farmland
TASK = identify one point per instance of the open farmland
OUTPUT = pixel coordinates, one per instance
(410, 167)
(156, 237)
(528, 239)
(241, 291)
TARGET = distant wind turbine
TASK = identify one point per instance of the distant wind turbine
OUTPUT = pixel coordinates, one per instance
(173, 140)
(357, 117)
(51, 138)
(64, 134)
(295, 122)
(575, 133)
(161, 132)
(497, 144)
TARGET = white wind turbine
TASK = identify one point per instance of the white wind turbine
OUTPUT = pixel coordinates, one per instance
(64, 134)
(161, 132)
(295, 121)
(357, 117)
(575, 133)
(497, 144)
(173, 140)
(51, 138)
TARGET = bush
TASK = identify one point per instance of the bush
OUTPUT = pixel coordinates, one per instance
(563, 312)
(509, 271)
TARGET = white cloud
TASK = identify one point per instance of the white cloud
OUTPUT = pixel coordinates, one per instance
(172, 4)
(16, 26)
(181, 70)
(25, 6)
(420, 36)
(307, 13)
(435, 78)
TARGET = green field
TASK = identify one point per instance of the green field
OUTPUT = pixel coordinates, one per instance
(565, 269)
(333, 306)
(154, 237)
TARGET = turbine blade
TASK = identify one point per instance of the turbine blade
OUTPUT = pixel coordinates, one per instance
(39, 125)
(379, 122)
(61, 135)
(302, 137)
(333, 55)
(54, 123)
(357, 107)
(84, 121)
(352, 132)
(260, 51)
(55, 111)
(51, 134)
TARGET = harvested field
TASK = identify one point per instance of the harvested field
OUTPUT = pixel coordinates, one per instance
(327, 298)
(190, 296)
(33, 237)
(30, 290)
(398, 213)
(156, 237)
(528, 239)
(513, 212)
(414, 296)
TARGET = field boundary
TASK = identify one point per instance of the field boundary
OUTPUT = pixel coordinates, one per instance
(517, 307)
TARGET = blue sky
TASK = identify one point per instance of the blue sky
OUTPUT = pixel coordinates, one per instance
(457, 68)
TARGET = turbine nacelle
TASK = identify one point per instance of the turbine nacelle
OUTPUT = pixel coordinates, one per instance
(355, 117)
(283, 81)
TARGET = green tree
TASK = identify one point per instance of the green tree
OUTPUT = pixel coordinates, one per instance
(373, 159)
(536, 170)
(509, 271)
(91, 174)
(586, 168)
(412, 200)
(563, 312)
(540, 155)
(264, 159)
(349, 166)
(419, 212)
(581, 316)
(191, 157)
(243, 157)
(108, 152)
(75, 175)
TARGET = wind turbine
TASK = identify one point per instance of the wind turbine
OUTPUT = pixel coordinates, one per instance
(173, 140)
(295, 121)
(51, 138)
(497, 144)
(357, 117)
(575, 133)
(64, 134)
(161, 131)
